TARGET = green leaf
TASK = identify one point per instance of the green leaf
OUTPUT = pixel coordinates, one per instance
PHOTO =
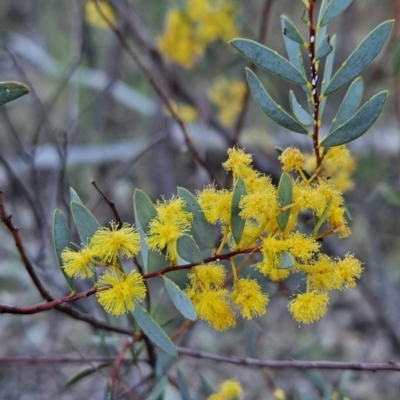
(291, 31)
(286, 261)
(180, 299)
(324, 48)
(322, 9)
(334, 9)
(154, 332)
(269, 107)
(144, 209)
(85, 222)
(322, 218)
(10, 91)
(358, 124)
(327, 75)
(61, 240)
(361, 57)
(188, 249)
(199, 226)
(285, 193)
(158, 390)
(389, 194)
(316, 378)
(349, 105)
(74, 196)
(269, 60)
(396, 58)
(208, 390)
(86, 372)
(293, 50)
(183, 386)
(298, 111)
(237, 222)
(345, 380)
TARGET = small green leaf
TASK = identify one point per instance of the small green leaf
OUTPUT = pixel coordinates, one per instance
(324, 48)
(349, 105)
(180, 300)
(61, 240)
(74, 196)
(358, 124)
(199, 226)
(396, 58)
(316, 379)
(293, 50)
(144, 209)
(188, 249)
(269, 60)
(322, 10)
(345, 380)
(158, 390)
(269, 107)
(333, 10)
(10, 91)
(298, 111)
(183, 386)
(86, 372)
(389, 194)
(237, 222)
(208, 390)
(361, 57)
(291, 31)
(327, 75)
(322, 218)
(85, 222)
(285, 193)
(154, 332)
(286, 261)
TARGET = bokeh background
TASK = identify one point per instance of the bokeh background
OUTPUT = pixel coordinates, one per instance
(93, 115)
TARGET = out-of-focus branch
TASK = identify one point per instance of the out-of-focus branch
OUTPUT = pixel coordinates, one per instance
(157, 88)
(255, 363)
(260, 38)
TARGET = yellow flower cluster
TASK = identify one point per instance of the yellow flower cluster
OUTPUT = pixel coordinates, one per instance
(227, 96)
(214, 303)
(191, 28)
(118, 292)
(228, 390)
(284, 248)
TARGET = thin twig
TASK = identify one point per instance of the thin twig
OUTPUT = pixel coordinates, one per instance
(61, 360)
(110, 202)
(117, 364)
(255, 363)
(128, 49)
(260, 38)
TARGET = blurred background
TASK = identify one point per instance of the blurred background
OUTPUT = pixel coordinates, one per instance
(92, 114)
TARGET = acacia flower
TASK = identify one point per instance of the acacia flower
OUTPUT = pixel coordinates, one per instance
(216, 205)
(108, 243)
(209, 276)
(308, 307)
(164, 230)
(291, 159)
(78, 263)
(248, 297)
(118, 292)
(228, 390)
(213, 307)
(348, 270)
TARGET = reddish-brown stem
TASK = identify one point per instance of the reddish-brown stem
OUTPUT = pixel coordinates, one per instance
(118, 362)
(314, 81)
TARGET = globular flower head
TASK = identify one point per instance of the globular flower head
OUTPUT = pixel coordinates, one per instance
(247, 295)
(78, 263)
(118, 292)
(213, 307)
(291, 159)
(348, 270)
(208, 276)
(228, 390)
(216, 205)
(108, 243)
(308, 307)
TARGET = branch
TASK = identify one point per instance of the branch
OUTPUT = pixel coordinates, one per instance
(62, 360)
(5, 309)
(252, 362)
